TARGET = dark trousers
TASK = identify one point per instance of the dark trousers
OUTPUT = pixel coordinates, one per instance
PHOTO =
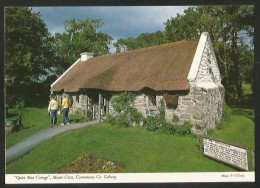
(53, 117)
(65, 115)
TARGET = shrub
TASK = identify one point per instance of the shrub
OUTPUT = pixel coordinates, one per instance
(159, 124)
(226, 112)
(20, 103)
(185, 128)
(220, 125)
(126, 115)
(122, 101)
(169, 128)
(161, 109)
(154, 123)
(111, 119)
(226, 116)
(135, 116)
(175, 118)
(122, 120)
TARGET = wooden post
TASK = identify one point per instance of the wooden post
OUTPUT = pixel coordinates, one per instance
(99, 106)
(107, 110)
(93, 116)
(86, 116)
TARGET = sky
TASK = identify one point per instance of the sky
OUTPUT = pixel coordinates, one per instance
(119, 21)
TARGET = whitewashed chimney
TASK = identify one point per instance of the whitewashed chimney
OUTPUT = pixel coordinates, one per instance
(85, 56)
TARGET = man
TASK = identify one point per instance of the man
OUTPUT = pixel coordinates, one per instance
(65, 110)
(53, 109)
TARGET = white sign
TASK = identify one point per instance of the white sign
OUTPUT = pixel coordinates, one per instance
(230, 154)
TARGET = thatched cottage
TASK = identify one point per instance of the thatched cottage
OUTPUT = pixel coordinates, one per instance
(183, 74)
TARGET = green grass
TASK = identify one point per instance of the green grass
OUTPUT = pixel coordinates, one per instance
(239, 130)
(135, 148)
(35, 119)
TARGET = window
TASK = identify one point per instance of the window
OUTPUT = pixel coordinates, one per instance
(171, 100)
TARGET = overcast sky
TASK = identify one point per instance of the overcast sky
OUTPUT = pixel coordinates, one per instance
(119, 22)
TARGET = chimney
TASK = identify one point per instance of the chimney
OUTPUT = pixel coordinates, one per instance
(85, 56)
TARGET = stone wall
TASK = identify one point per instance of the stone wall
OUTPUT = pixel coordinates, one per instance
(203, 107)
(143, 104)
(208, 69)
(79, 104)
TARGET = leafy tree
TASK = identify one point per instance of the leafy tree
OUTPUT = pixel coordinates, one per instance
(28, 51)
(183, 26)
(231, 30)
(80, 36)
(143, 40)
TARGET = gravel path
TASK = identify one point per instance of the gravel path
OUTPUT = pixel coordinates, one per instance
(27, 144)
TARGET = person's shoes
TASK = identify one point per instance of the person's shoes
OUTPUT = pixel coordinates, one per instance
(67, 123)
(51, 126)
(62, 124)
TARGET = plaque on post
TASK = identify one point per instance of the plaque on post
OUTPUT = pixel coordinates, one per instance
(231, 154)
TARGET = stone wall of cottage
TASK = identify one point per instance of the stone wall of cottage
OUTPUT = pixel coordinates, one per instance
(208, 69)
(143, 104)
(79, 104)
(202, 107)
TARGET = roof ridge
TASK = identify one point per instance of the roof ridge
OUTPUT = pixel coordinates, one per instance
(146, 48)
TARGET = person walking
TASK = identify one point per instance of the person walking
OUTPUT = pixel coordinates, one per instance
(65, 110)
(53, 109)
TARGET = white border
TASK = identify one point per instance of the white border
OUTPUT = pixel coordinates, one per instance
(185, 177)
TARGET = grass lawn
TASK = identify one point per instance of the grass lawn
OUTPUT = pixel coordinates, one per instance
(135, 148)
(34, 120)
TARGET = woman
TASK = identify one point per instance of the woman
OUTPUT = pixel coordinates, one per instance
(53, 109)
(65, 110)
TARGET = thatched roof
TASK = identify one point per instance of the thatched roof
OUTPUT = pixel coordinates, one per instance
(162, 67)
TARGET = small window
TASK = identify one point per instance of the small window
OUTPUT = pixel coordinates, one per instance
(171, 100)
(153, 99)
(77, 98)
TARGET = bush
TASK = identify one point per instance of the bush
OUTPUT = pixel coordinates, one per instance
(20, 103)
(185, 128)
(111, 119)
(122, 101)
(169, 128)
(159, 124)
(175, 118)
(154, 123)
(122, 120)
(226, 116)
(126, 115)
(220, 125)
(226, 112)
(135, 116)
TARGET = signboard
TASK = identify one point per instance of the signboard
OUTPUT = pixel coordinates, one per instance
(227, 153)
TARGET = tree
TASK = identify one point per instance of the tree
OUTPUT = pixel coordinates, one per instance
(142, 41)
(80, 36)
(231, 30)
(183, 26)
(28, 51)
